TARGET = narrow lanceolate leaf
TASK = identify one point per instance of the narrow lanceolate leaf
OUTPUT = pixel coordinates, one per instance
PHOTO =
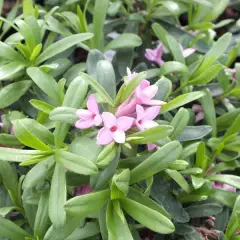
(98, 88)
(117, 227)
(9, 70)
(233, 223)
(8, 53)
(125, 40)
(234, 128)
(57, 198)
(42, 218)
(64, 114)
(179, 122)
(12, 92)
(63, 45)
(181, 100)
(28, 137)
(87, 204)
(157, 162)
(17, 155)
(226, 120)
(209, 111)
(170, 67)
(10, 230)
(150, 135)
(75, 163)
(147, 216)
(41, 106)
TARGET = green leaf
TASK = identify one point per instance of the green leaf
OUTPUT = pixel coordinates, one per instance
(46, 83)
(16, 155)
(209, 111)
(62, 45)
(38, 173)
(28, 9)
(189, 150)
(227, 119)
(28, 136)
(100, 180)
(87, 204)
(175, 49)
(179, 122)
(131, 86)
(75, 163)
(9, 70)
(223, 197)
(191, 133)
(179, 179)
(172, 67)
(98, 88)
(201, 158)
(150, 135)
(9, 140)
(233, 223)
(125, 40)
(204, 209)
(181, 100)
(117, 227)
(64, 114)
(157, 162)
(57, 197)
(208, 75)
(41, 106)
(106, 77)
(10, 230)
(107, 155)
(98, 22)
(217, 10)
(164, 88)
(234, 128)
(8, 53)
(41, 220)
(147, 216)
(231, 180)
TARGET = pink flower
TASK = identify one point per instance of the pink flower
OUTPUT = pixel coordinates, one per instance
(91, 116)
(145, 94)
(152, 146)
(145, 117)
(114, 129)
(85, 189)
(198, 109)
(187, 52)
(223, 186)
(155, 55)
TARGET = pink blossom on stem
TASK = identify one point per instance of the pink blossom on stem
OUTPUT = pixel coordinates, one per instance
(145, 94)
(187, 52)
(145, 117)
(90, 117)
(152, 146)
(155, 55)
(198, 109)
(223, 186)
(114, 129)
(85, 189)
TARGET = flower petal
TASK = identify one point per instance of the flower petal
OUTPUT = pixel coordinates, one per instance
(119, 136)
(84, 124)
(189, 51)
(140, 112)
(146, 124)
(97, 120)
(151, 112)
(124, 123)
(84, 114)
(109, 119)
(154, 102)
(92, 104)
(104, 136)
(151, 146)
(150, 91)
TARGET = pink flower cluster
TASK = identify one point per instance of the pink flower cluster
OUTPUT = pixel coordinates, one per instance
(139, 110)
